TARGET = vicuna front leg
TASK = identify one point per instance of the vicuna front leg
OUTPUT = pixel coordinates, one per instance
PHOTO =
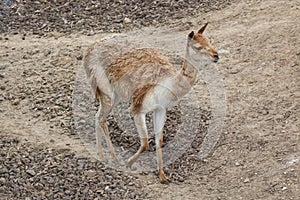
(159, 117)
(102, 129)
(140, 123)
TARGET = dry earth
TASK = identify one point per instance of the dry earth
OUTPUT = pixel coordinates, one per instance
(257, 157)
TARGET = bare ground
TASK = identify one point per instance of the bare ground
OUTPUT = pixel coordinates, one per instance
(258, 155)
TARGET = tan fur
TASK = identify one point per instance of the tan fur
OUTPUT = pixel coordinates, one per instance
(89, 70)
(205, 43)
(138, 97)
(131, 61)
(86, 59)
(120, 71)
(146, 147)
(188, 73)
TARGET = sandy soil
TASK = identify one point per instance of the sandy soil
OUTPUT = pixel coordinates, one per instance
(258, 155)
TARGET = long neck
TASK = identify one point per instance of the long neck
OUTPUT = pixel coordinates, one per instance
(185, 78)
(187, 70)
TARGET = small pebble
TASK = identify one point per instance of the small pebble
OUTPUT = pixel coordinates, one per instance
(15, 102)
(31, 172)
(127, 20)
(246, 180)
(284, 188)
(2, 180)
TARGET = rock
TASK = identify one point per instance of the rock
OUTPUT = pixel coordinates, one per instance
(2, 180)
(127, 20)
(31, 172)
(246, 180)
(15, 102)
(67, 192)
(284, 188)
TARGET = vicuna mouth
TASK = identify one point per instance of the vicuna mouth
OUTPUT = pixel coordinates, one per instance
(215, 58)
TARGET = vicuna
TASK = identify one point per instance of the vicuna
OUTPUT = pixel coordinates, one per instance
(147, 79)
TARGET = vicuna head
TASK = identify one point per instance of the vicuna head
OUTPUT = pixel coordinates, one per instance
(201, 45)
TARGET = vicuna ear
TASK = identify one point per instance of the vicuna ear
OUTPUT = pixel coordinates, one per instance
(191, 35)
(201, 30)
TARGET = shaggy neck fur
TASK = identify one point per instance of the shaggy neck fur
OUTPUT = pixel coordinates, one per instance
(188, 71)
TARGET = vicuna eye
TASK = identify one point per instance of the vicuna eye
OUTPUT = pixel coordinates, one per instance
(198, 47)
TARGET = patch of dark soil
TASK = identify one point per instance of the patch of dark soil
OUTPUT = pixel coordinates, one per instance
(40, 17)
(46, 173)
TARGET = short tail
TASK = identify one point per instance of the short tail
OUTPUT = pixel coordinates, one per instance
(90, 68)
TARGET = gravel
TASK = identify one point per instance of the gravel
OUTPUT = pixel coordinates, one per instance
(40, 17)
(38, 172)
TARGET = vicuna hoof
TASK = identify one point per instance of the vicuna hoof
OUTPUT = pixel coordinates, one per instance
(163, 178)
(129, 166)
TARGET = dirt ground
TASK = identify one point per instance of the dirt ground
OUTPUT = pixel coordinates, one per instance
(258, 154)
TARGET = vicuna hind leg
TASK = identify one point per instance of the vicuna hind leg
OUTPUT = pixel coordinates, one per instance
(159, 117)
(102, 129)
(99, 133)
(140, 123)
